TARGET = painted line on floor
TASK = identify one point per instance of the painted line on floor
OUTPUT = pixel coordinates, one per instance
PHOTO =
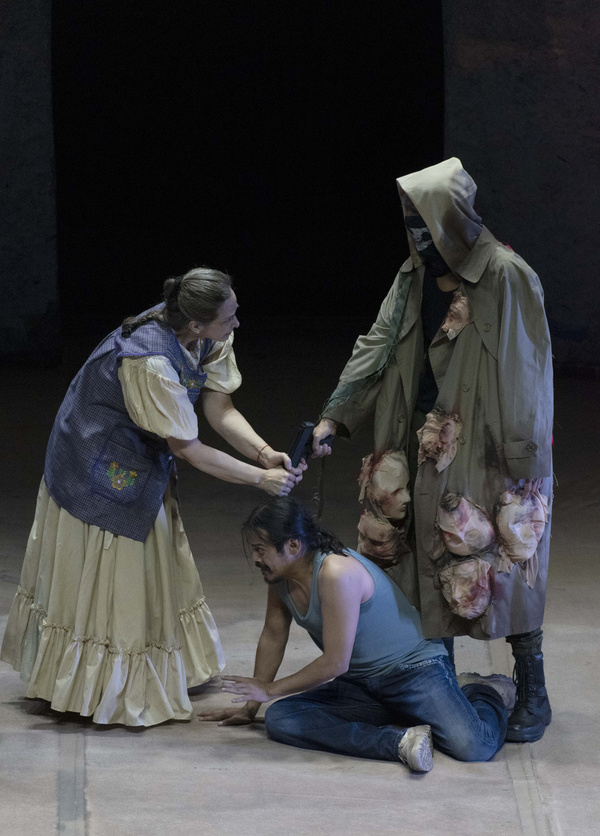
(537, 817)
(71, 783)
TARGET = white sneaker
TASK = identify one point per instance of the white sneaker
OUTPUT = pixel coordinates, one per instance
(416, 748)
(500, 683)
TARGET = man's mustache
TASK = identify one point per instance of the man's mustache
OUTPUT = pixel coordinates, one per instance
(263, 567)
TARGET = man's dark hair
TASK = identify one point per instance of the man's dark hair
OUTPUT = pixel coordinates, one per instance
(283, 518)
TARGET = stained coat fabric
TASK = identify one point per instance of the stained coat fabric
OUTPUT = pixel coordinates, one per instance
(493, 371)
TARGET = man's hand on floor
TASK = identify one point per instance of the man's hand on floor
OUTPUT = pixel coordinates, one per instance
(241, 716)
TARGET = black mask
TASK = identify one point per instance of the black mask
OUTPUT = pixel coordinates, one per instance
(435, 264)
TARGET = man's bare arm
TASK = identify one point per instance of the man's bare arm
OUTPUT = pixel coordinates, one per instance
(343, 583)
(269, 655)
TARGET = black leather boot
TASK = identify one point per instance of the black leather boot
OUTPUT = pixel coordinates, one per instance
(532, 712)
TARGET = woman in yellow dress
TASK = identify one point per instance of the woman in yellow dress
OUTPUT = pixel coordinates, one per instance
(109, 619)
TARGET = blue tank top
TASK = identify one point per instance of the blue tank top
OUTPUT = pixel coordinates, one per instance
(388, 633)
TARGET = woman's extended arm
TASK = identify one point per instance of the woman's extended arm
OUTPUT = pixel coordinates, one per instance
(158, 403)
(226, 420)
(275, 481)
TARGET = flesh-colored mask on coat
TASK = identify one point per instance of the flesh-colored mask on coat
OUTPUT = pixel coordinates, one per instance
(384, 481)
(466, 586)
(464, 526)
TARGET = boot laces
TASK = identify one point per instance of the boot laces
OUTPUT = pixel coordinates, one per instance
(523, 677)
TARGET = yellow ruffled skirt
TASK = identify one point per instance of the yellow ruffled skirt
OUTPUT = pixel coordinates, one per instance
(109, 627)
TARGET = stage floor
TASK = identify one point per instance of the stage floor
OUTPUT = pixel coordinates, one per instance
(71, 777)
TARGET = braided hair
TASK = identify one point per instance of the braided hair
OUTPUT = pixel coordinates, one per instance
(197, 295)
(282, 518)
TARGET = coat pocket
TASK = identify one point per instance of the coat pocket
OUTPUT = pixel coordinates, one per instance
(119, 474)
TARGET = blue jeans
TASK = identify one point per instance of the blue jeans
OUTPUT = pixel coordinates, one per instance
(367, 717)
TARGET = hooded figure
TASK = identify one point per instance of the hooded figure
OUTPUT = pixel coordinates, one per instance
(457, 374)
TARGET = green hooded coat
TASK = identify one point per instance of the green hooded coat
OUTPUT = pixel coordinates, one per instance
(494, 376)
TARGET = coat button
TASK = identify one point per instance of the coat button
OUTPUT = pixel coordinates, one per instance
(531, 447)
(462, 439)
(465, 387)
(487, 327)
(400, 419)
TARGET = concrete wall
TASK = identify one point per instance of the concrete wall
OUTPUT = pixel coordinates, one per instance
(523, 114)
(29, 297)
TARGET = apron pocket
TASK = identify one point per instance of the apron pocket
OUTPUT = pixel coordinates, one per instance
(120, 475)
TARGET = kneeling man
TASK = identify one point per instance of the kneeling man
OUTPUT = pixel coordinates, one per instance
(378, 689)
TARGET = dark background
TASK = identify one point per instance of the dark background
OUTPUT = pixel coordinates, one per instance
(260, 138)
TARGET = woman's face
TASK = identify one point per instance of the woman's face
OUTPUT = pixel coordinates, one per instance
(223, 324)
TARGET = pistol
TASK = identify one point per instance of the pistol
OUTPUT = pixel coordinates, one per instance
(303, 443)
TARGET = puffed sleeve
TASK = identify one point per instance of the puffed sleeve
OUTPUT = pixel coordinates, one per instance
(155, 399)
(221, 368)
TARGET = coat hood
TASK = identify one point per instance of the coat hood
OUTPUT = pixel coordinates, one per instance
(443, 195)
